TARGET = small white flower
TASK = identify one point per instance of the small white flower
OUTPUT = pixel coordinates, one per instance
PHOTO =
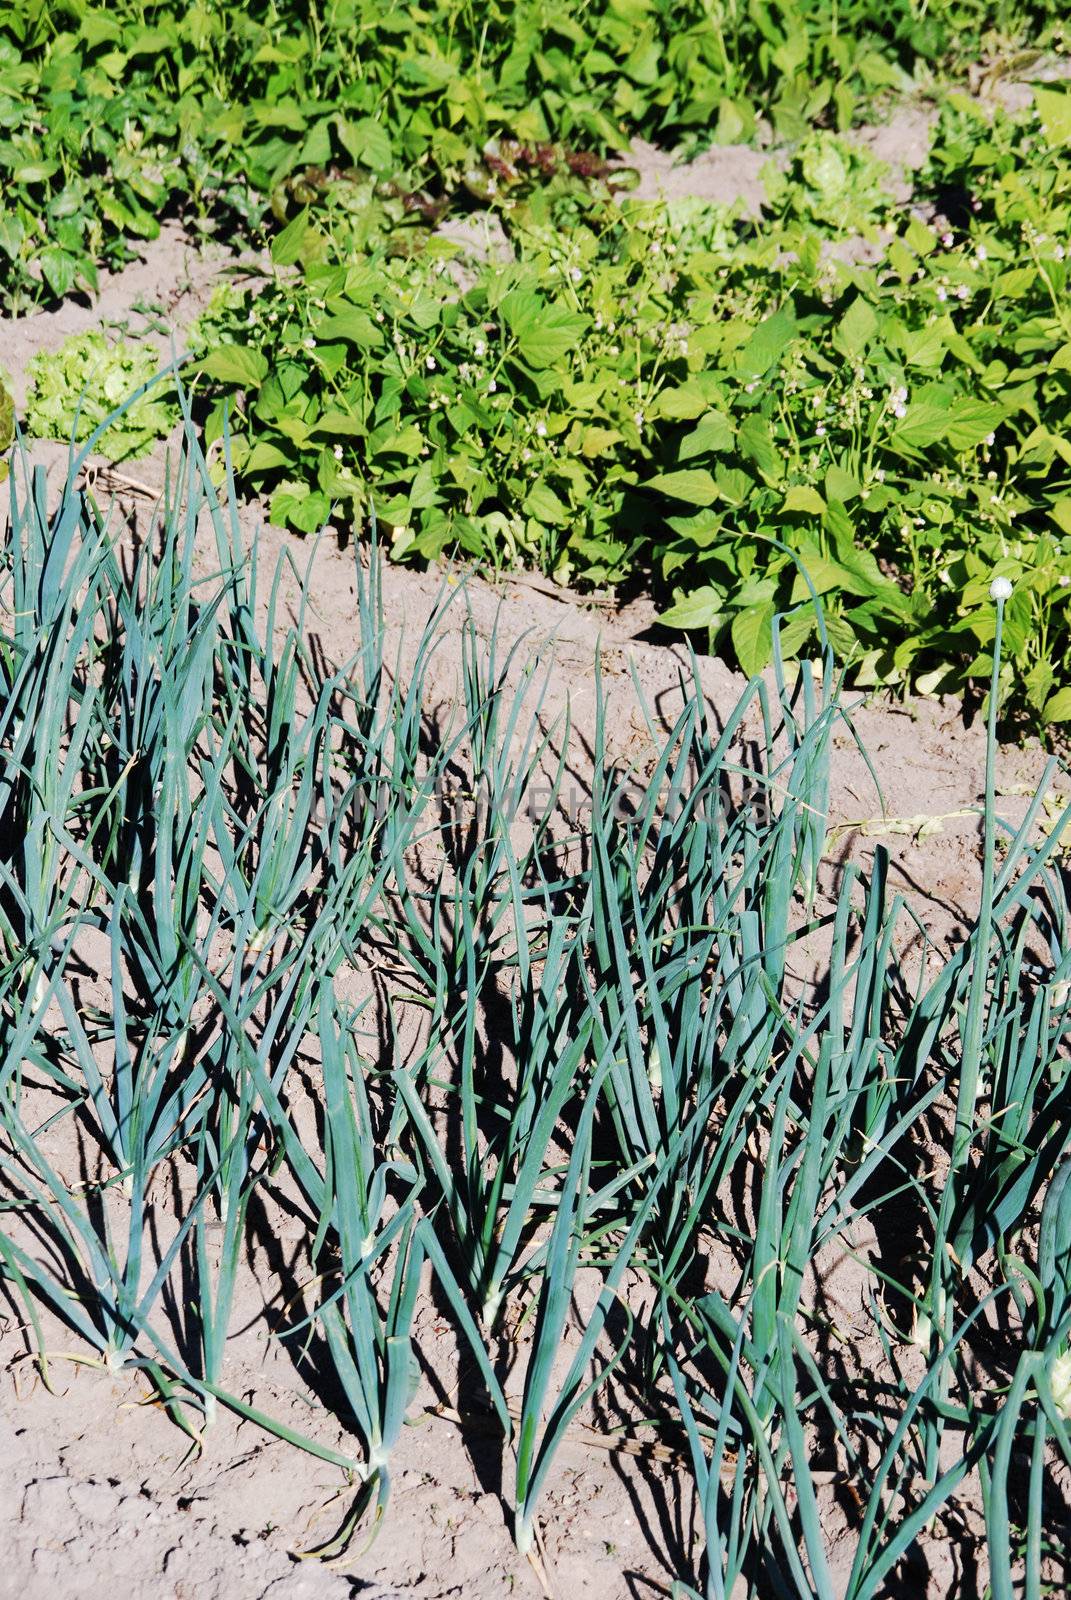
(1000, 589)
(820, 429)
(1059, 252)
(491, 386)
(981, 253)
(541, 429)
(962, 291)
(1064, 581)
(338, 452)
(310, 343)
(638, 418)
(947, 240)
(379, 316)
(576, 274)
(429, 362)
(942, 294)
(990, 438)
(479, 347)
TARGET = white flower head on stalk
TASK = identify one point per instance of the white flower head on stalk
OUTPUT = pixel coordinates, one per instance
(1000, 589)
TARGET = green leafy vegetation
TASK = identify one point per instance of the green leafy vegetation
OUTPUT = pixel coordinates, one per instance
(112, 116)
(847, 393)
(74, 391)
(732, 409)
(659, 1104)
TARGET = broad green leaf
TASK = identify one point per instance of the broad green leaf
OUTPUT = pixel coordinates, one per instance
(1060, 512)
(796, 630)
(824, 575)
(699, 528)
(857, 329)
(840, 484)
(924, 347)
(265, 457)
(344, 423)
(801, 497)
(60, 270)
(922, 239)
(235, 363)
(7, 418)
(756, 442)
(295, 505)
(1058, 707)
(597, 441)
(923, 424)
(1054, 110)
(682, 404)
(287, 246)
(543, 504)
(712, 434)
(695, 610)
(12, 233)
(768, 343)
(352, 325)
(316, 148)
(1015, 283)
(406, 441)
(752, 635)
(734, 486)
(34, 171)
(971, 421)
(545, 333)
(693, 485)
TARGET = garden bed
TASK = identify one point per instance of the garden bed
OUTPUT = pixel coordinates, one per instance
(518, 745)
